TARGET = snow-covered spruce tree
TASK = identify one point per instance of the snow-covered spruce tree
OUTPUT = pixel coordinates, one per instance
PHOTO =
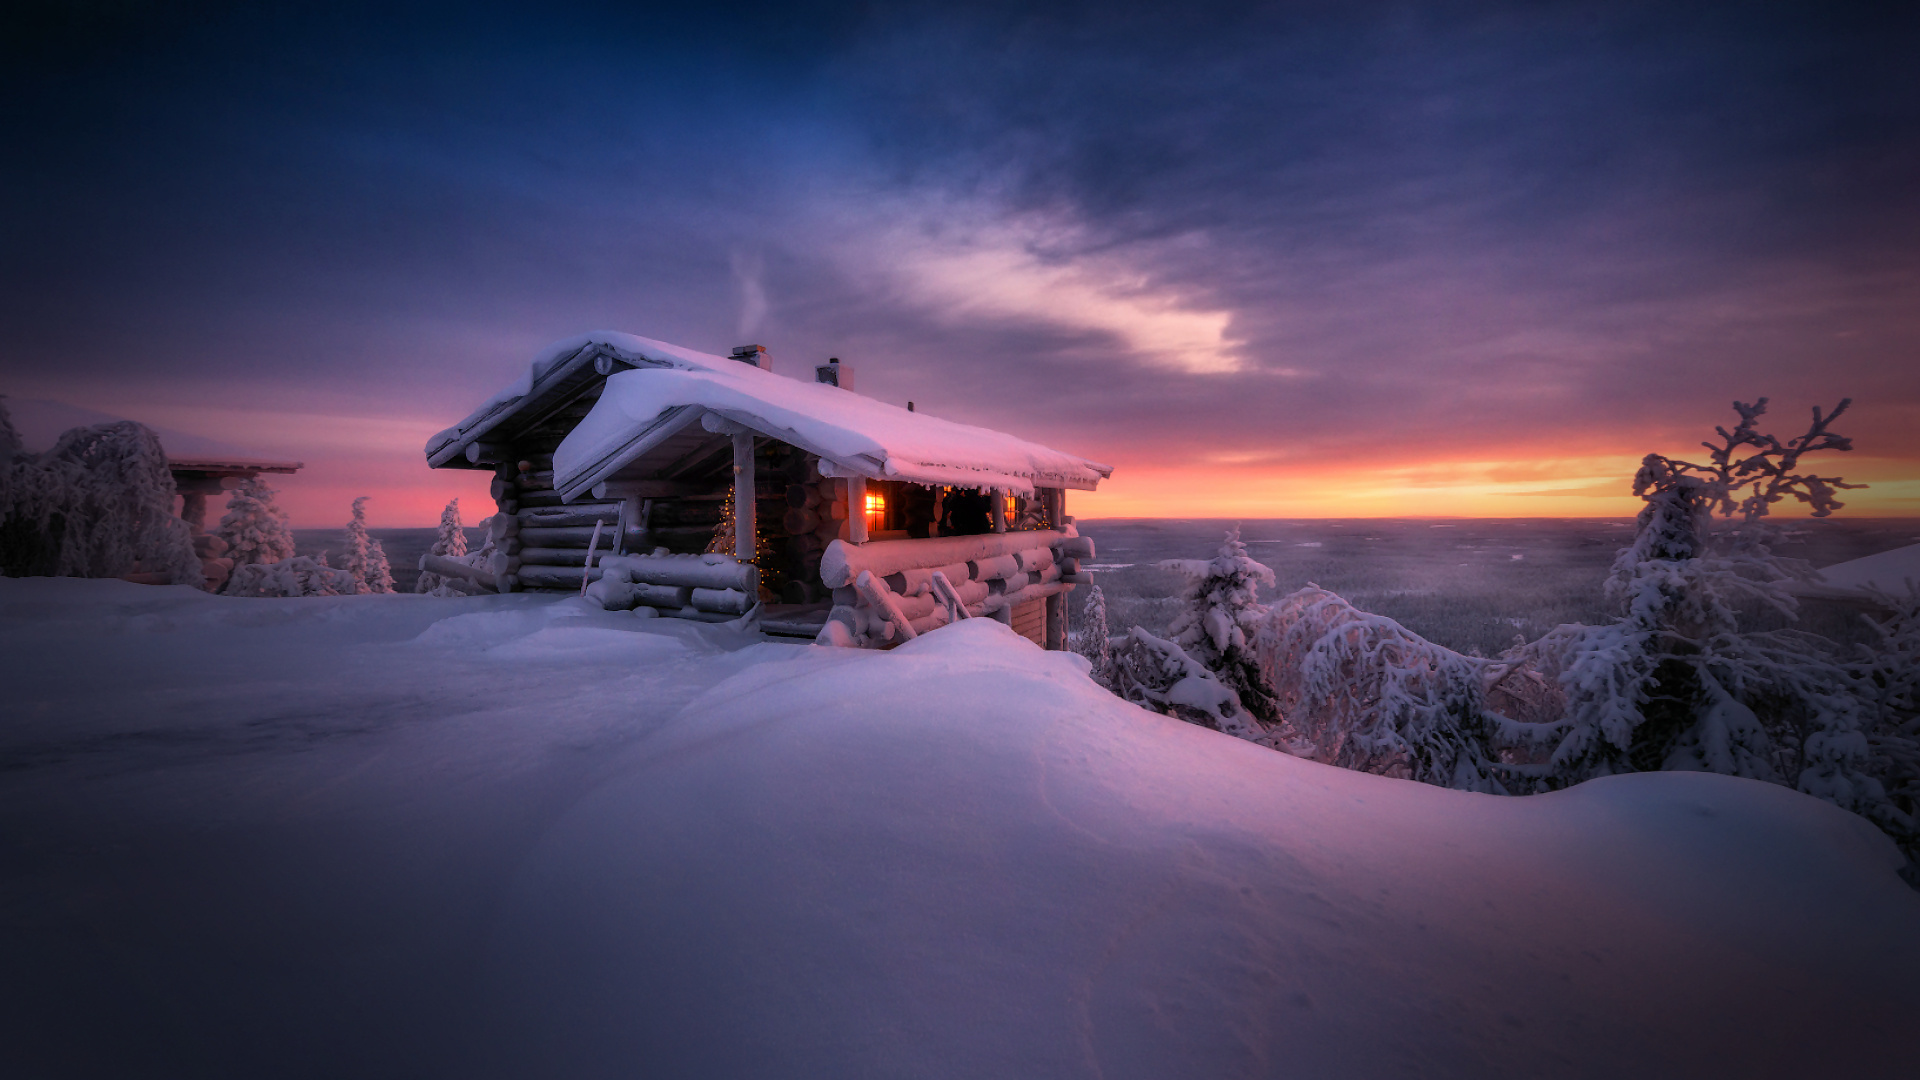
(1219, 608)
(99, 504)
(300, 575)
(1363, 692)
(365, 559)
(379, 570)
(1158, 674)
(1887, 673)
(451, 542)
(1673, 682)
(1094, 640)
(254, 527)
(13, 457)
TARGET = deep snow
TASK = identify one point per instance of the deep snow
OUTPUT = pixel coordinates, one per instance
(504, 836)
(1889, 571)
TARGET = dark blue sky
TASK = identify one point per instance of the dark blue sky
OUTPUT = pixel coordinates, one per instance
(1271, 260)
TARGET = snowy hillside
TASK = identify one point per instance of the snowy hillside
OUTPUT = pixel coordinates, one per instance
(1888, 571)
(504, 836)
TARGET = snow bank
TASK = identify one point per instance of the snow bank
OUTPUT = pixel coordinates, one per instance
(961, 858)
(506, 836)
(1888, 571)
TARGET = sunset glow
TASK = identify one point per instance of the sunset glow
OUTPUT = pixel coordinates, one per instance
(1275, 263)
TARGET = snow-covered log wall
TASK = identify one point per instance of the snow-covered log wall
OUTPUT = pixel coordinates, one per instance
(886, 591)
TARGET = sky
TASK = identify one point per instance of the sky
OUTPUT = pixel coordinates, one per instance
(1280, 260)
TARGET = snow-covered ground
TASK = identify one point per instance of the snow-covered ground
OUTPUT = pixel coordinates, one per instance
(1888, 571)
(406, 836)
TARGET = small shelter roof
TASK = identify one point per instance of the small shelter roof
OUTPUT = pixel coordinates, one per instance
(230, 466)
(662, 404)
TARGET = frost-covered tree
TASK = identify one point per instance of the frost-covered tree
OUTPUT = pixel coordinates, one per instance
(300, 575)
(451, 541)
(1220, 607)
(366, 561)
(1094, 639)
(1158, 674)
(99, 504)
(254, 527)
(10, 445)
(379, 570)
(1361, 691)
(13, 457)
(1674, 682)
(1887, 673)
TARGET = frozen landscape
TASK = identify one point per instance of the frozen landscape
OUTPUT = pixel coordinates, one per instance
(393, 835)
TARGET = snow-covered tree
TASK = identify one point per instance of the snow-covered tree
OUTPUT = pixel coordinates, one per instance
(366, 561)
(1158, 674)
(254, 527)
(451, 541)
(13, 458)
(1220, 606)
(1674, 682)
(1361, 691)
(300, 575)
(1093, 640)
(1887, 672)
(10, 445)
(99, 504)
(379, 570)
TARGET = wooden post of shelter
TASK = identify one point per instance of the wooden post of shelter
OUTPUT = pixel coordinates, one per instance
(1053, 502)
(856, 509)
(745, 528)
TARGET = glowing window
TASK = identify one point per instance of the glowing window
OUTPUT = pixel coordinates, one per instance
(876, 504)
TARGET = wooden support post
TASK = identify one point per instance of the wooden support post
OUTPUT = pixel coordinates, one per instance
(856, 509)
(999, 510)
(622, 524)
(1054, 502)
(745, 528)
(592, 546)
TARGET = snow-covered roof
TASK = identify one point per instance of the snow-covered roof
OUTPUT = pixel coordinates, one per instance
(558, 364)
(669, 387)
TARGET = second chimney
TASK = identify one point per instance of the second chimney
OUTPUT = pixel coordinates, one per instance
(834, 373)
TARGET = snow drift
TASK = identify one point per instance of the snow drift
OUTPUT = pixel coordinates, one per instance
(524, 838)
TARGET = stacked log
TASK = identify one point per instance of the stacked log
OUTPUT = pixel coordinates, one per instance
(540, 542)
(706, 587)
(883, 591)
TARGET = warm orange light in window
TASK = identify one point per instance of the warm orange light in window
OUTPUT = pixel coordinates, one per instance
(876, 503)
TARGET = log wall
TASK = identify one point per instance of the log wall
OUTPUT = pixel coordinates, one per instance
(884, 591)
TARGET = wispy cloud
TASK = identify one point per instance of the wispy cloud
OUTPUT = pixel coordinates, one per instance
(968, 263)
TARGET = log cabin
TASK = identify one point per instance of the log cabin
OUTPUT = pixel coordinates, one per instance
(683, 484)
